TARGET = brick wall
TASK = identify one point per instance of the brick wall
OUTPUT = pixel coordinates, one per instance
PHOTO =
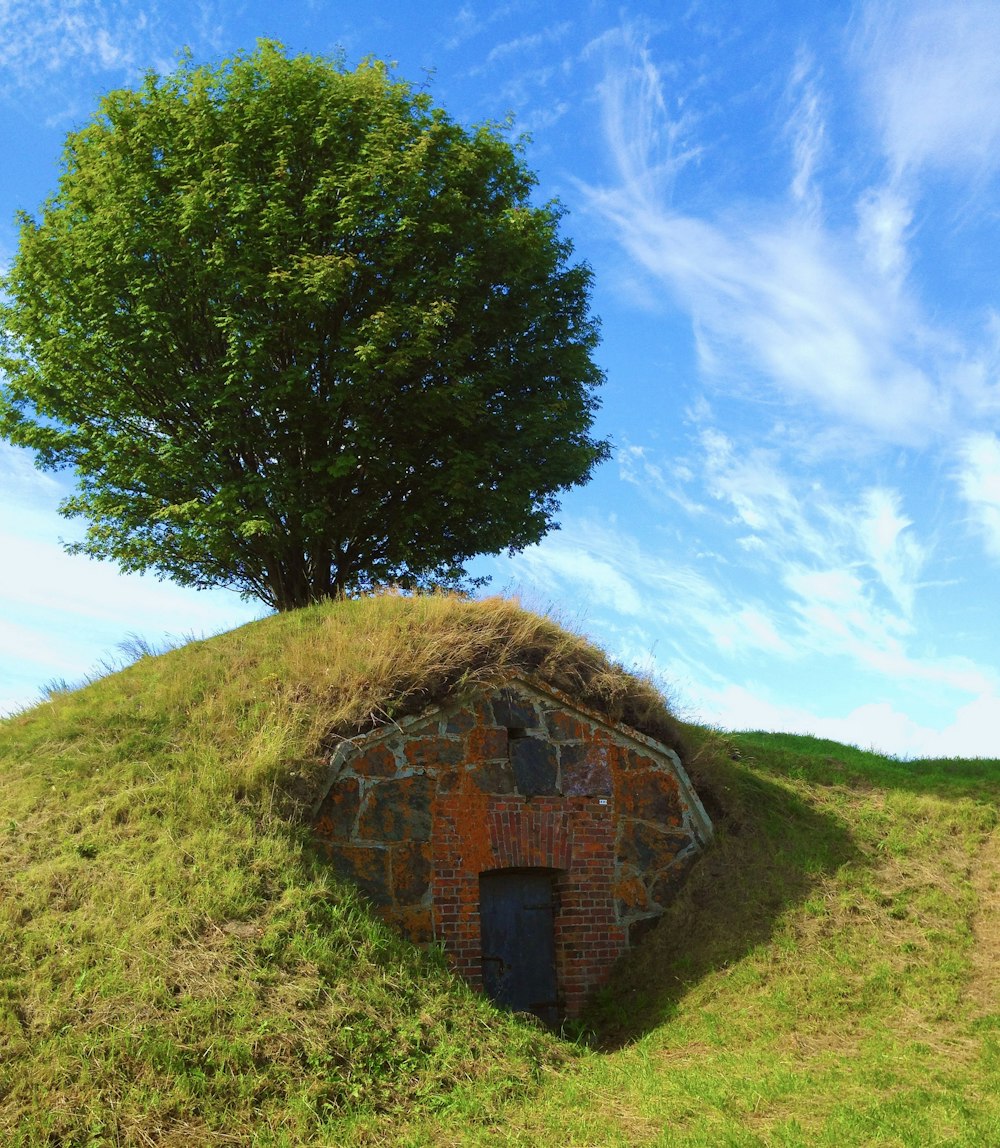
(520, 778)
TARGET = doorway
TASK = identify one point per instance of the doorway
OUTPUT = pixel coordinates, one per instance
(517, 921)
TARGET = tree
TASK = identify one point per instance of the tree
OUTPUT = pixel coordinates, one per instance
(299, 333)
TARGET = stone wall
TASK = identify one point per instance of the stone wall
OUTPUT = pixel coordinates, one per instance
(520, 778)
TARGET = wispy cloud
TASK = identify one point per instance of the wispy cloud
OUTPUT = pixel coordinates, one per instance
(929, 69)
(807, 129)
(828, 609)
(979, 482)
(553, 34)
(49, 36)
(876, 725)
(776, 300)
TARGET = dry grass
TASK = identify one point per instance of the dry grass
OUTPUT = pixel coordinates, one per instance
(984, 988)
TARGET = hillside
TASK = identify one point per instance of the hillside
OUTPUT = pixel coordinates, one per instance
(176, 961)
(176, 965)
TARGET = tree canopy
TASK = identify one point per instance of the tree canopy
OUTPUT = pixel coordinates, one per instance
(298, 332)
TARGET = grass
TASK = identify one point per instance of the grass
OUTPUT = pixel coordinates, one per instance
(177, 966)
(828, 976)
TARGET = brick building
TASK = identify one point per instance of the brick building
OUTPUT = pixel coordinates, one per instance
(532, 837)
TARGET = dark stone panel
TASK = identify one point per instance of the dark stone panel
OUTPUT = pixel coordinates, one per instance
(667, 884)
(639, 930)
(428, 752)
(365, 866)
(494, 777)
(585, 771)
(649, 847)
(513, 711)
(378, 761)
(411, 872)
(461, 722)
(650, 795)
(535, 766)
(339, 810)
(397, 810)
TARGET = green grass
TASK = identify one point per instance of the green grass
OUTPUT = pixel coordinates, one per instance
(176, 966)
(827, 976)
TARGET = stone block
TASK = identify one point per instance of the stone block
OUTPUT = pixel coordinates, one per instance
(398, 809)
(667, 884)
(415, 923)
(513, 711)
(411, 872)
(564, 727)
(630, 894)
(461, 722)
(648, 847)
(650, 795)
(365, 866)
(431, 752)
(377, 761)
(535, 766)
(585, 770)
(494, 777)
(339, 811)
(486, 743)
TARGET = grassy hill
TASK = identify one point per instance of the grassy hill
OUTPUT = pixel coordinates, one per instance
(176, 965)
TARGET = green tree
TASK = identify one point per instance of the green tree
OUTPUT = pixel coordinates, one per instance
(299, 333)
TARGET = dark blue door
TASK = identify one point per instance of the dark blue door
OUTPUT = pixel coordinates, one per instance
(516, 909)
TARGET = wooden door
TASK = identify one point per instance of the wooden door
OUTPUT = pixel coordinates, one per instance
(517, 910)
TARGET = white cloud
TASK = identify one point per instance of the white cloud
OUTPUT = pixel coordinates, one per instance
(885, 537)
(606, 567)
(656, 482)
(776, 301)
(979, 481)
(971, 732)
(801, 520)
(49, 36)
(884, 216)
(930, 72)
(807, 130)
(547, 36)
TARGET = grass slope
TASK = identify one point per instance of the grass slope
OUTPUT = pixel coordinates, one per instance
(828, 976)
(176, 966)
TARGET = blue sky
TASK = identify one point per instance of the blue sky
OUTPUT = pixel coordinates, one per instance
(792, 216)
